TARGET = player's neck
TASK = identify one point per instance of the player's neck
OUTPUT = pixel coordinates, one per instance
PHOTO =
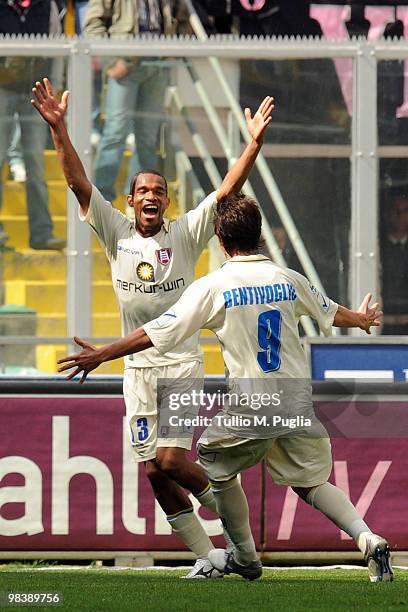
(148, 232)
(239, 254)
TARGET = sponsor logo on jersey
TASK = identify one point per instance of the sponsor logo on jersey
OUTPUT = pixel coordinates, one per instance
(163, 256)
(173, 285)
(130, 251)
(145, 271)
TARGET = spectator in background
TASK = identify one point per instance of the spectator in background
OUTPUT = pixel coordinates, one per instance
(286, 249)
(215, 15)
(16, 77)
(80, 7)
(136, 87)
(15, 154)
(394, 259)
(275, 18)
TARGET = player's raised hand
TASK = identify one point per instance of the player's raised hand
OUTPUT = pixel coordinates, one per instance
(262, 118)
(371, 315)
(47, 104)
(85, 361)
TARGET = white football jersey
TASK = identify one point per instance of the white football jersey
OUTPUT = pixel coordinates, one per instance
(150, 274)
(254, 307)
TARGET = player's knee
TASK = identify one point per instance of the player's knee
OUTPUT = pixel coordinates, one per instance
(219, 486)
(153, 472)
(170, 462)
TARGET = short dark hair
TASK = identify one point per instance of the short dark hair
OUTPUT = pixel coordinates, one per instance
(134, 179)
(238, 223)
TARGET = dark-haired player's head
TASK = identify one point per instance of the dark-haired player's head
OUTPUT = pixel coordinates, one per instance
(238, 224)
(148, 197)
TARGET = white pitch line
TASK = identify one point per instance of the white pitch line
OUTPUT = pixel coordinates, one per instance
(188, 567)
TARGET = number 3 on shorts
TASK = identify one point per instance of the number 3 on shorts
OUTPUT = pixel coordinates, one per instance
(269, 340)
(143, 434)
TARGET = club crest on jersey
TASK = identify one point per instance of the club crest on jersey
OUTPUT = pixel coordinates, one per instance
(145, 271)
(163, 256)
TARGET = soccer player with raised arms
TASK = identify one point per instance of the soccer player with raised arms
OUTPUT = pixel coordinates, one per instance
(152, 262)
(254, 307)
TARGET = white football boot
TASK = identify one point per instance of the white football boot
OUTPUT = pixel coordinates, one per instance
(203, 569)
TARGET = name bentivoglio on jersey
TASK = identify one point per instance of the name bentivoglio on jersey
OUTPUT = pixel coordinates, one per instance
(267, 294)
(150, 274)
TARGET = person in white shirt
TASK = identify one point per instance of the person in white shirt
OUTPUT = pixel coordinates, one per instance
(152, 262)
(254, 307)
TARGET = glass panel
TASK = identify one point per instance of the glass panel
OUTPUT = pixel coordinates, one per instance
(393, 232)
(310, 105)
(317, 194)
(393, 196)
(392, 103)
(32, 217)
(308, 148)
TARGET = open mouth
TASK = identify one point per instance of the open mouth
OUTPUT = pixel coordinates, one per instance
(150, 210)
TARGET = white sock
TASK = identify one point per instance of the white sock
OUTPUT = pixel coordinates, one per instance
(189, 529)
(206, 498)
(362, 540)
(233, 509)
(338, 508)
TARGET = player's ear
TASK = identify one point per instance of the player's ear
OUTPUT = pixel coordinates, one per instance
(222, 247)
(130, 200)
(167, 204)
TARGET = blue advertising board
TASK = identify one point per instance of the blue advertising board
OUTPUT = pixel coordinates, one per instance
(373, 359)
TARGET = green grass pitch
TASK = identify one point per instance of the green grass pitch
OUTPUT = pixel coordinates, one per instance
(160, 590)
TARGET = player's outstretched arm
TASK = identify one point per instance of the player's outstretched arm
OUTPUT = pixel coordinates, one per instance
(257, 125)
(53, 112)
(364, 317)
(90, 357)
(182, 321)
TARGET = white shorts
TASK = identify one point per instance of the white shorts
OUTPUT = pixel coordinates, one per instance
(145, 399)
(296, 461)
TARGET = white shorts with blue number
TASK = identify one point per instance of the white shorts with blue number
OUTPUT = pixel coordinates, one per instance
(146, 392)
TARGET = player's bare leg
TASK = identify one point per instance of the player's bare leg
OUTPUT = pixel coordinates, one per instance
(189, 475)
(172, 498)
(332, 502)
(180, 515)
